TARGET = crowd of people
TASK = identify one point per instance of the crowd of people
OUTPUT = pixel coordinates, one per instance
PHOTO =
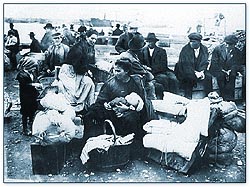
(141, 68)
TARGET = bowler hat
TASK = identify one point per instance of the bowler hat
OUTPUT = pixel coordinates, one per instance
(195, 36)
(231, 39)
(32, 34)
(48, 25)
(151, 37)
(137, 42)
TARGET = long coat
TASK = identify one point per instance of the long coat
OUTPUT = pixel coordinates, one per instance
(221, 60)
(186, 65)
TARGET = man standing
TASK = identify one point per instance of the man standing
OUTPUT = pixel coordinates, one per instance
(16, 34)
(57, 54)
(192, 66)
(35, 45)
(155, 59)
(116, 32)
(122, 42)
(47, 39)
(225, 63)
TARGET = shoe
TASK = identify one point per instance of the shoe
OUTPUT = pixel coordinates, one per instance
(27, 133)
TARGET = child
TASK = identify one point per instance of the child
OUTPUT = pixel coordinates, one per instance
(28, 91)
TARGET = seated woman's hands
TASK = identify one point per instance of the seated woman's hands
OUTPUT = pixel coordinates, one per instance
(120, 108)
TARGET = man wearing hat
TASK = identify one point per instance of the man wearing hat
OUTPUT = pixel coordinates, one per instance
(56, 55)
(134, 53)
(122, 42)
(12, 44)
(47, 39)
(225, 63)
(155, 59)
(16, 34)
(35, 45)
(192, 66)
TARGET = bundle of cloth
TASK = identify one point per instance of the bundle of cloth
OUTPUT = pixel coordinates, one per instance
(103, 142)
(57, 123)
(132, 101)
(169, 136)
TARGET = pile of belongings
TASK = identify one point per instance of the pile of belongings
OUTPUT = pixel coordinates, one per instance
(103, 143)
(230, 122)
(167, 135)
(209, 126)
(57, 122)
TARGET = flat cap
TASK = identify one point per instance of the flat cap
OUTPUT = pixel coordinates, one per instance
(195, 36)
(231, 39)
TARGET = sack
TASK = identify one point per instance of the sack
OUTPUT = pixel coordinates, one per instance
(224, 142)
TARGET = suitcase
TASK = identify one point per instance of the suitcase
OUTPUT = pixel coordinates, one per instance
(47, 159)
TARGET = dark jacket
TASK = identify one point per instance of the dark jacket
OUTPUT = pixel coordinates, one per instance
(28, 94)
(158, 62)
(186, 66)
(122, 42)
(220, 60)
(35, 46)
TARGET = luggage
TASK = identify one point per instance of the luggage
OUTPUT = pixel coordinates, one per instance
(47, 159)
(116, 156)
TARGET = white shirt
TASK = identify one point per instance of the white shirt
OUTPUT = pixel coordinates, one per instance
(196, 52)
(151, 51)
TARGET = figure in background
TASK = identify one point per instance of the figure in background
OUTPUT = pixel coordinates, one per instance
(155, 60)
(56, 55)
(47, 39)
(28, 92)
(35, 45)
(16, 34)
(12, 46)
(225, 64)
(116, 32)
(68, 38)
(124, 38)
(192, 66)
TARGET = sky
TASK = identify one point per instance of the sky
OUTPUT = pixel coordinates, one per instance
(174, 15)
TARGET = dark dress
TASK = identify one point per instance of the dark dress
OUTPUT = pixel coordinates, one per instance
(132, 121)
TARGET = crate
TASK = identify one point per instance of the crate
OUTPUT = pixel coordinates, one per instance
(47, 159)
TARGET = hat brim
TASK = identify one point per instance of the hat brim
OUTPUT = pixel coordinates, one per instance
(151, 39)
(45, 27)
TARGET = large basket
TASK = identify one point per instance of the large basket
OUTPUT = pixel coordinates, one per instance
(117, 156)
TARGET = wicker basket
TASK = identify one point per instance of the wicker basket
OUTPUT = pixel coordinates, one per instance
(117, 156)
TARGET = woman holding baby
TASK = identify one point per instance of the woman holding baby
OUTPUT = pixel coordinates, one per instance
(122, 100)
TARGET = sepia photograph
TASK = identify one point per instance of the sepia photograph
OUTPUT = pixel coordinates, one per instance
(124, 93)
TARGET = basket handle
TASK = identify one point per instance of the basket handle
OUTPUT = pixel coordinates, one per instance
(112, 127)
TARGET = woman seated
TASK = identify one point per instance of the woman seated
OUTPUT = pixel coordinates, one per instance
(122, 100)
(78, 89)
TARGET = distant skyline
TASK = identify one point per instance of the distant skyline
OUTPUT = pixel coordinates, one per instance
(173, 15)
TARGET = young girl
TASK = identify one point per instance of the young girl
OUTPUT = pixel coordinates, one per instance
(28, 90)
